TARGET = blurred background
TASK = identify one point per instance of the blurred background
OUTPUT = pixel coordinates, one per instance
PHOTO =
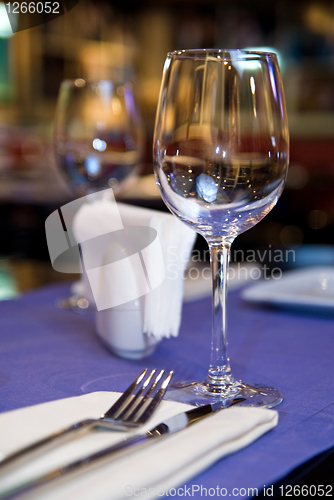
(129, 40)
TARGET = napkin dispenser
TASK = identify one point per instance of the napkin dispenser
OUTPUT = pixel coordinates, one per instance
(121, 327)
(121, 330)
(133, 272)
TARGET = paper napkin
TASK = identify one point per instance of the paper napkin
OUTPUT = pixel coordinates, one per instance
(135, 258)
(164, 464)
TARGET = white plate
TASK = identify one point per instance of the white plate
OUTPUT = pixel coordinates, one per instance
(310, 288)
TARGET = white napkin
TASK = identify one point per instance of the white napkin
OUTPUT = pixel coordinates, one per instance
(151, 273)
(164, 464)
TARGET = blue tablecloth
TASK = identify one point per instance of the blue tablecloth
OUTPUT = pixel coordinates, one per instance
(47, 354)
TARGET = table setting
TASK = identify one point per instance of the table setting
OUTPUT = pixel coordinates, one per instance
(198, 412)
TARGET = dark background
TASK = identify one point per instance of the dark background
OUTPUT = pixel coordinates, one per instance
(109, 39)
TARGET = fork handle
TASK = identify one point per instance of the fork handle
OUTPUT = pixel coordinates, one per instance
(77, 466)
(22, 455)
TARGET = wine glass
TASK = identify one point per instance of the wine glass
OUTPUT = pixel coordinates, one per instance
(99, 144)
(98, 134)
(221, 151)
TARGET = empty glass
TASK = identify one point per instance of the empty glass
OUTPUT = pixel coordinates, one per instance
(98, 134)
(221, 149)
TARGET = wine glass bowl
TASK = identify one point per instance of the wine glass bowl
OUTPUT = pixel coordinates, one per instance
(221, 150)
(98, 134)
(221, 147)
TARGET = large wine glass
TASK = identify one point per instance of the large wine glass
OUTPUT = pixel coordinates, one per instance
(221, 150)
(98, 134)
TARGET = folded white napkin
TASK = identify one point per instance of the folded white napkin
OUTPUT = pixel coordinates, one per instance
(134, 259)
(164, 464)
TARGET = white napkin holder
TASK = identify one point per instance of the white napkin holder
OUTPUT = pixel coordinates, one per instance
(121, 330)
(127, 273)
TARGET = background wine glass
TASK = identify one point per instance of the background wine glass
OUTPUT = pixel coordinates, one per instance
(221, 150)
(98, 135)
(99, 142)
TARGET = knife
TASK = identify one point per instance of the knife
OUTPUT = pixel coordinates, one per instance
(169, 426)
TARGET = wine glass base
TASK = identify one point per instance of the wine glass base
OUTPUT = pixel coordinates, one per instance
(201, 393)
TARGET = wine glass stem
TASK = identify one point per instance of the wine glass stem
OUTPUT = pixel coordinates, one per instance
(219, 372)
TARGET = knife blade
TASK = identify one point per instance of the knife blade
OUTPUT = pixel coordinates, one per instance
(169, 426)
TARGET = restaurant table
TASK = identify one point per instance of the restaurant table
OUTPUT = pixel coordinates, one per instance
(47, 353)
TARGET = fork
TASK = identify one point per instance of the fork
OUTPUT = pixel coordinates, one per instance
(131, 410)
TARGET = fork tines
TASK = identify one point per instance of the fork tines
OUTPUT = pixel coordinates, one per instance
(141, 399)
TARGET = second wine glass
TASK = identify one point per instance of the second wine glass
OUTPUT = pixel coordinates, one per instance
(98, 134)
(99, 144)
(221, 150)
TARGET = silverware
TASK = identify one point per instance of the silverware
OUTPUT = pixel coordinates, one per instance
(131, 410)
(170, 426)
